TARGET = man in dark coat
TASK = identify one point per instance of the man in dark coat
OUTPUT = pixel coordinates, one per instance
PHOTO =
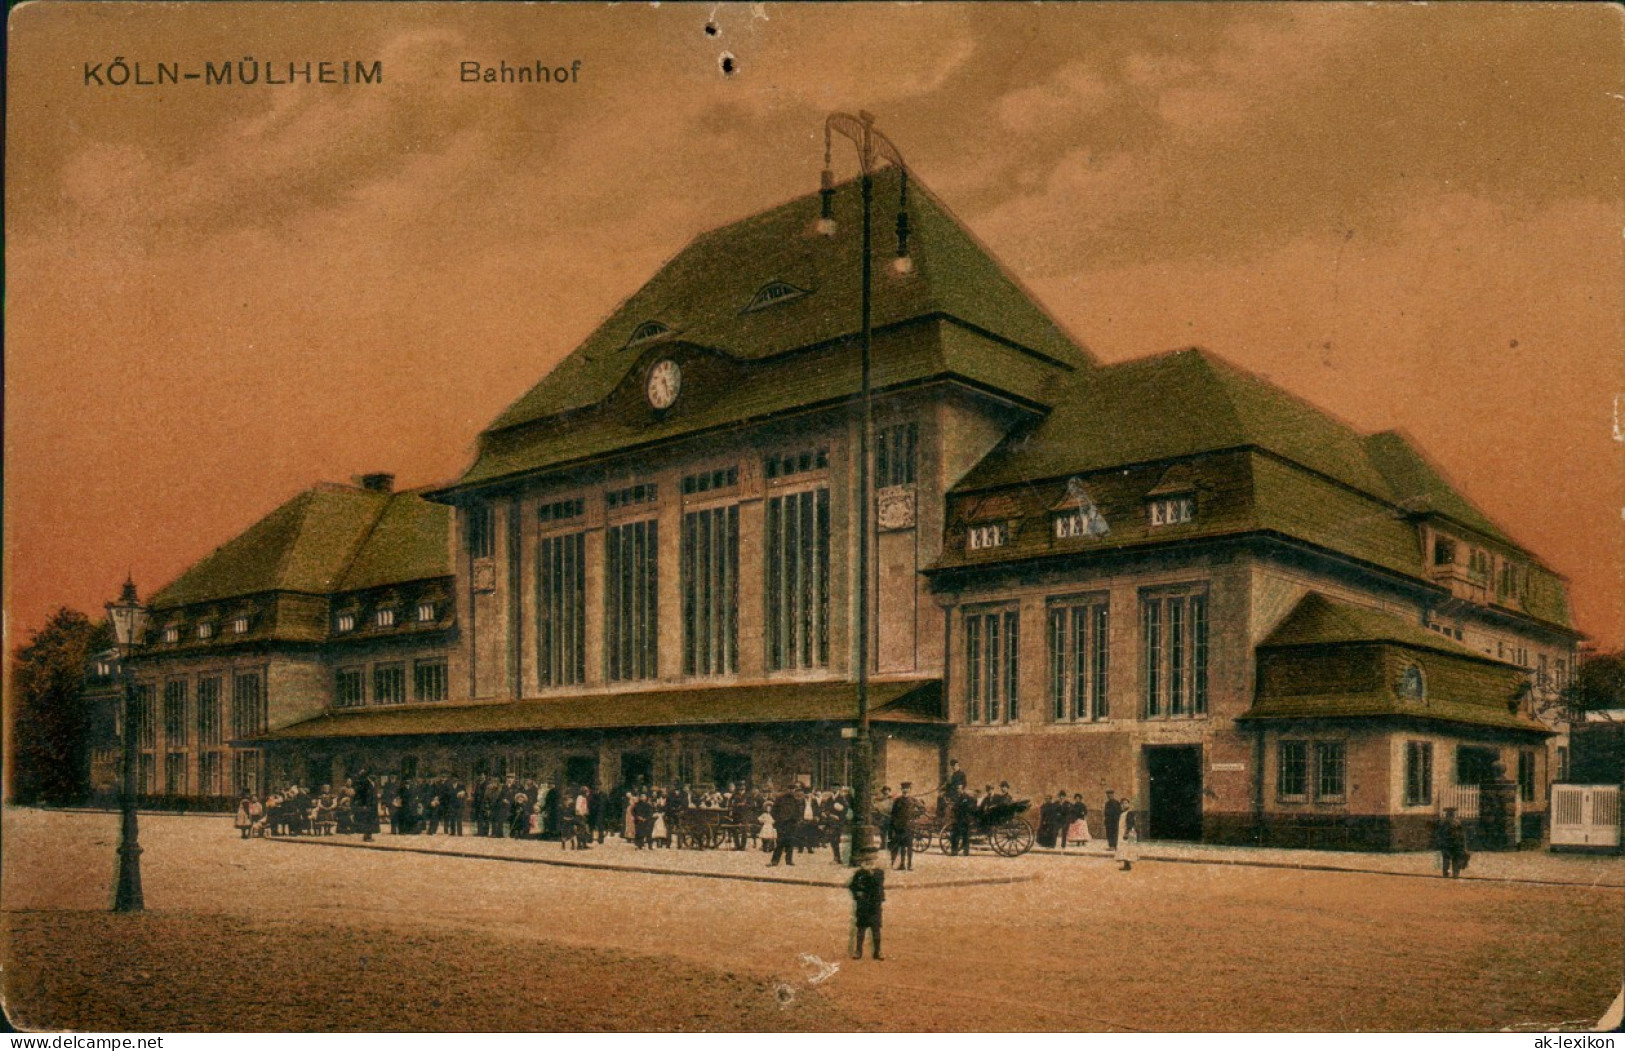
(1113, 810)
(957, 782)
(365, 806)
(900, 828)
(786, 826)
(452, 802)
(964, 813)
(499, 807)
(482, 815)
(1047, 818)
(1451, 838)
(643, 819)
(868, 887)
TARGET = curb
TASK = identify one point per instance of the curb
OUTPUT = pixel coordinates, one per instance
(648, 870)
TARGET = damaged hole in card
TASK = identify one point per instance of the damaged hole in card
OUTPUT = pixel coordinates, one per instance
(711, 29)
(728, 65)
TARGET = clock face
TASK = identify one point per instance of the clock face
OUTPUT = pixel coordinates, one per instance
(665, 381)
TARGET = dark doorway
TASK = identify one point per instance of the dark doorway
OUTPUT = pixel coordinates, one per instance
(318, 771)
(637, 768)
(1174, 810)
(581, 770)
(1475, 765)
(730, 768)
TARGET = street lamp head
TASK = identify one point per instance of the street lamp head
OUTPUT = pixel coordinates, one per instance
(128, 617)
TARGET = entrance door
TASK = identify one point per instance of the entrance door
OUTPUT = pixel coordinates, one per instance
(730, 768)
(1175, 807)
(581, 770)
(637, 768)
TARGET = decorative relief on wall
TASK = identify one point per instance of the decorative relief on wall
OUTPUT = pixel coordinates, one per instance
(895, 508)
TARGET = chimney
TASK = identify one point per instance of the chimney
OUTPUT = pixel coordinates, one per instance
(377, 483)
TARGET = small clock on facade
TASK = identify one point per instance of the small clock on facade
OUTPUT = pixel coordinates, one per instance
(665, 381)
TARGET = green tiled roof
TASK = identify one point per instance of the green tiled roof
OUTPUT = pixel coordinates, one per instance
(795, 351)
(702, 295)
(719, 392)
(1418, 485)
(1362, 651)
(914, 701)
(328, 538)
(1170, 406)
(1319, 621)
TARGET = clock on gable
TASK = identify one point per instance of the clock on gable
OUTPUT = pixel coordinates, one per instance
(665, 382)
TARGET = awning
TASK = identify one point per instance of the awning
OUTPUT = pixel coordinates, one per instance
(912, 701)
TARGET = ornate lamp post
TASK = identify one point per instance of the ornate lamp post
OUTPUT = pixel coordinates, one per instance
(874, 151)
(129, 619)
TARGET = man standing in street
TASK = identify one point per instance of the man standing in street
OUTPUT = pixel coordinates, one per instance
(1451, 839)
(364, 808)
(900, 829)
(1113, 811)
(964, 812)
(868, 887)
(787, 826)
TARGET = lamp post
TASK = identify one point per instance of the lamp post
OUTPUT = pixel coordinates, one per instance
(129, 619)
(873, 150)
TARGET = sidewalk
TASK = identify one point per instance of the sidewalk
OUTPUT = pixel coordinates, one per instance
(934, 869)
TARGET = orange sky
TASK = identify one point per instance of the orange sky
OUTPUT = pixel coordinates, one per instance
(1409, 214)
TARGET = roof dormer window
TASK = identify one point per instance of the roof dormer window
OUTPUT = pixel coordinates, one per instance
(774, 292)
(344, 622)
(384, 618)
(648, 331)
(1172, 510)
(982, 537)
(205, 629)
(172, 634)
(239, 625)
(425, 612)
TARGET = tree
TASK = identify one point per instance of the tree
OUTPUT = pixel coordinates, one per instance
(1597, 689)
(51, 722)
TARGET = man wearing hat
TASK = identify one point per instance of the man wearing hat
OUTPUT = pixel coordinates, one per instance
(1113, 811)
(1451, 839)
(900, 828)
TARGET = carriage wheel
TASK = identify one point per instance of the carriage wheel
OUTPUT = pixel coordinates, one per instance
(1012, 839)
(944, 840)
(922, 840)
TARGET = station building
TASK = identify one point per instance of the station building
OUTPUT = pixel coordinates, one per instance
(1163, 576)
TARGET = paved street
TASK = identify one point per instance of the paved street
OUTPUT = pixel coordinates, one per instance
(269, 934)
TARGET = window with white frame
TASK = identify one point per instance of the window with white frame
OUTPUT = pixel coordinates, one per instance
(205, 629)
(1172, 510)
(1418, 773)
(172, 634)
(426, 612)
(344, 622)
(239, 625)
(992, 643)
(1331, 771)
(1292, 771)
(1079, 653)
(384, 618)
(1174, 645)
(982, 537)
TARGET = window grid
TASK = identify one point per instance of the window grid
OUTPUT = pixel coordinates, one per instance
(632, 600)
(211, 773)
(1079, 658)
(895, 450)
(248, 715)
(705, 481)
(175, 725)
(208, 713)
(349, 688)
(805, 461)
(175, 773)
(430, 681)
(1418, 773)
(482, 531)
(710, 586)
(797, 580)
(1526, 776)
(1331, 770)
(1174, 633)
(1292, 773)
(992, 684)
(561, 510)
(146, 716)
(561, 603)
(389, 683)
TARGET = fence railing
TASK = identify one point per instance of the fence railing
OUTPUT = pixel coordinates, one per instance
(1585, 816)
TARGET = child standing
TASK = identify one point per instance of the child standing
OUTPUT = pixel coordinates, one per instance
(868, 889)
(770, 839)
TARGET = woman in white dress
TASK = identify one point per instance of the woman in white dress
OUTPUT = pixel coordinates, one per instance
(631, 829)
(1128, 836)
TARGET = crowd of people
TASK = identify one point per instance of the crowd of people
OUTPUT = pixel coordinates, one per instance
(780, 822)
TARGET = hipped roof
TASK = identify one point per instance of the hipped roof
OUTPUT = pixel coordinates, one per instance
(912, 701)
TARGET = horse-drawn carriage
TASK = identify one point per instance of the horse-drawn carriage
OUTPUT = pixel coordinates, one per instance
(707, 828)
(1000, 828)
